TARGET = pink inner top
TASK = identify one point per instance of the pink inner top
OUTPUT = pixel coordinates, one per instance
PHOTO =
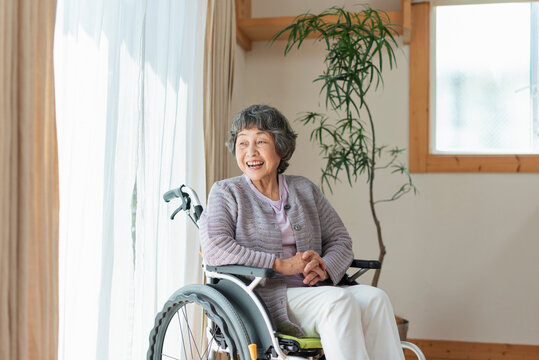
(288, 240)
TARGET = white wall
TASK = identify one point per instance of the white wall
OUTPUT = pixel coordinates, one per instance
(462, 254)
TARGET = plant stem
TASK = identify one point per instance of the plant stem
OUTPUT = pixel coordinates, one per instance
(381, 246)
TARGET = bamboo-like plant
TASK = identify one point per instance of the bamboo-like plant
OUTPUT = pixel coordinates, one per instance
(357, 46)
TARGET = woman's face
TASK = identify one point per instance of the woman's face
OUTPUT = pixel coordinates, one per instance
(256, 154)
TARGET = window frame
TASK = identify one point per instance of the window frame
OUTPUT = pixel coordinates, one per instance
(421, 159)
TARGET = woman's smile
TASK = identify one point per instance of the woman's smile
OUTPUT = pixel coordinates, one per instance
(255, 165)
(257, 157)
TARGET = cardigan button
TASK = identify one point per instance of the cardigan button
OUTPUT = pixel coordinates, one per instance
(287, 207)
(297, 227)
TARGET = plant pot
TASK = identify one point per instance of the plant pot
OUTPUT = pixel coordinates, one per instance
(402, 326)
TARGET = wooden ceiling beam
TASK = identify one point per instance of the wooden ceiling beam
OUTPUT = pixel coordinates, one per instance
(250, 29)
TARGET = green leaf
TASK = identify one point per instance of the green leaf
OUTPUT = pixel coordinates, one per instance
(358, 47)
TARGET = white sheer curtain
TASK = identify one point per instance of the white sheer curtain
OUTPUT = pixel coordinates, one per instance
(129, 115)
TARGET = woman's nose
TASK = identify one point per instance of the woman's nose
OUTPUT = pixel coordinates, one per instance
(251, 149)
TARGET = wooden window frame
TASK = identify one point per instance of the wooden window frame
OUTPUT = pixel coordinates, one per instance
(421, 158)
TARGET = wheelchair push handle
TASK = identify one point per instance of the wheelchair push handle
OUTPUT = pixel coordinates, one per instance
(171, 194)
(189, 197)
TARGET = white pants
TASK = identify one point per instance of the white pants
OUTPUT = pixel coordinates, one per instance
(355, 322)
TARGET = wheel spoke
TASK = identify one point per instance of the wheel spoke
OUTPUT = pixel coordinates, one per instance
(170, 357)
(181, 335)
(190, 334)
(210, 344)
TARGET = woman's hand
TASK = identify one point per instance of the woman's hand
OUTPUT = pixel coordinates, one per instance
(315, 268)
(291, 266)
(309, 263)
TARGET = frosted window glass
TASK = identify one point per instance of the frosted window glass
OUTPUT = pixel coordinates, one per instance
(483, 102)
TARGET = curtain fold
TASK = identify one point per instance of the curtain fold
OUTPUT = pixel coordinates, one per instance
(218, 84)
(29, 182)
(129, 75)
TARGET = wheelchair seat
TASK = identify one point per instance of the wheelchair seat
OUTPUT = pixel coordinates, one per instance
(302, 347)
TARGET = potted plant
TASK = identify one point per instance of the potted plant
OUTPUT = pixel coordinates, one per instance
(357, 47)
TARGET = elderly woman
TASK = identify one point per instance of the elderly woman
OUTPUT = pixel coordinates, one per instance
(270, 220)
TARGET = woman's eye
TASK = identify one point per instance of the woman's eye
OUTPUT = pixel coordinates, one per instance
(260, 142)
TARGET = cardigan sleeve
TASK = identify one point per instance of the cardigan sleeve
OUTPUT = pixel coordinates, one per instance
(336, 242)
(217, 232)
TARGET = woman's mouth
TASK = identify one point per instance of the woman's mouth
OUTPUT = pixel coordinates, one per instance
(254, 164)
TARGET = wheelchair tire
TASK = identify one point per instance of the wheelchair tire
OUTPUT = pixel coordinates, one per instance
(226, 333)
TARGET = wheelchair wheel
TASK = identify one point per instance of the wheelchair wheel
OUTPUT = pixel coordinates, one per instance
(181, 332)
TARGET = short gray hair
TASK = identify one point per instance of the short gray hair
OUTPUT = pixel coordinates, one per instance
(266, 118)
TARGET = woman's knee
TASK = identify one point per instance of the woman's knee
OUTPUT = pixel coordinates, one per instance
(379, 294)
(369, 295)
(339, 301)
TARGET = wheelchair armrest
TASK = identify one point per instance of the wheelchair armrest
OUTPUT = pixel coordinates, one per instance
(366, 264)
(242, 270)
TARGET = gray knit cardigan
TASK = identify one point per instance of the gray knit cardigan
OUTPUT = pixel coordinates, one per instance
(237, 227)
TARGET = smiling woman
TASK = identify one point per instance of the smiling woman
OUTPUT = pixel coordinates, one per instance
(271, 220)
(256, 156)
(262, 141)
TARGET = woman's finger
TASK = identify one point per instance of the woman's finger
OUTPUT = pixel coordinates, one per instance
(307, 255)
(310, 278)
(307, 279)
(313, 265)
(324, 276)
(318, 270)
(323, 264)
(309, 267)
(312, 255)
(311, 275)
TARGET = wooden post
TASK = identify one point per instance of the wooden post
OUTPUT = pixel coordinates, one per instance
(419, 88)
(243, 11)
(406, 21)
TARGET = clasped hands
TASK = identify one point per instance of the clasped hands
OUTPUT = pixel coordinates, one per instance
(308, 263)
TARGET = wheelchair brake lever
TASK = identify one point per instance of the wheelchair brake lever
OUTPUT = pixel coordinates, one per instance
(178, 193)
(192, 197)
(188, 197)
(175, 212)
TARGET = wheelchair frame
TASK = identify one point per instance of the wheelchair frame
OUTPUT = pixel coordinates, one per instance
(255, 320)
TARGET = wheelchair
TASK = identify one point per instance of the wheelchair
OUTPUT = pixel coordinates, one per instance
(225, 318)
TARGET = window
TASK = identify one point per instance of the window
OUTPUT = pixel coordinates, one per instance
(474, 93)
